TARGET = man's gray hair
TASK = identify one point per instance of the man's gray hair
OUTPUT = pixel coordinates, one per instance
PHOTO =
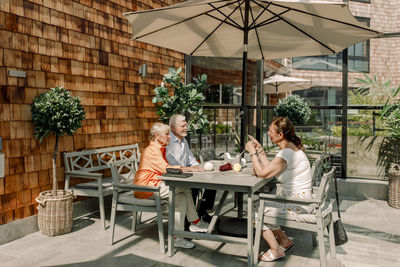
(175, 119)
(158, 128)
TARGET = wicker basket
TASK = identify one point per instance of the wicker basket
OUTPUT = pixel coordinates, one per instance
(55, 212)
(394, 186)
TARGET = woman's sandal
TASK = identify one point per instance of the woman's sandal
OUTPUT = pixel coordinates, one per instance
(270, 256)
(288, 246)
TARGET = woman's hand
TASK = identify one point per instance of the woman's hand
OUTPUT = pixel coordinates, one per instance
(250, 147)
(257, 145)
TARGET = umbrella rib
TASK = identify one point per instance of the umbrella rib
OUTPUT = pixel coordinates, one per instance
(321, 17)
(279, 17)
(258, 38)
(259, 15)
(302, 31)
(179, 22)
(168, 26)
(218, 10)
(216, 28)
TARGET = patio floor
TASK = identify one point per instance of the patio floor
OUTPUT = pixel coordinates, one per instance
(372, 227)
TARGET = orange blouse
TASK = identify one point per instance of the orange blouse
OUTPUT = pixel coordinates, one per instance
(152, 165)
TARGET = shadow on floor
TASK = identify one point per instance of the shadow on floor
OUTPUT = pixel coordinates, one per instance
(125, 260)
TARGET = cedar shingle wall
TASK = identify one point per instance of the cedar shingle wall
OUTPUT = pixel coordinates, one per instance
(84, 46)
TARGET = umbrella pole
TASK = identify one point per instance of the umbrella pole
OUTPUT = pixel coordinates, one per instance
(244, 111)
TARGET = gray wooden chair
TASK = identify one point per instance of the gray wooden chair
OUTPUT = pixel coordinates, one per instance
(317, 169)
(90, 166)
(124, 199)
(207, 154)
(315, 222)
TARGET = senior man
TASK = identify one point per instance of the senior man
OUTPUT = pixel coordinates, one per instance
(178, 153)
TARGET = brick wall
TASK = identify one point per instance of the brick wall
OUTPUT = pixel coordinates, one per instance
(86, 47)
(384, 53)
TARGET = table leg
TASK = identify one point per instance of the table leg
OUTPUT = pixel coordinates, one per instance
(250, 220)
(239, 204)
(171, 221)
(217, 212)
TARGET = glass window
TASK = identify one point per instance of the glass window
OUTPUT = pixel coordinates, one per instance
(358, 58)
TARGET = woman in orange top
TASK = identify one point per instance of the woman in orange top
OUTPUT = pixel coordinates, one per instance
(152, 165)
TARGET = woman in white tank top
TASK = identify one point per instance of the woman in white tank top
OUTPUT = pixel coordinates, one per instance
(292, 170)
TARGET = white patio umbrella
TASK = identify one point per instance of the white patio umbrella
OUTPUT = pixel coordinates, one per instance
(250, 28)
(279, 84)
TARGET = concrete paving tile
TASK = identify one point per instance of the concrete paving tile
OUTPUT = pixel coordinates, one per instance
(372, 227)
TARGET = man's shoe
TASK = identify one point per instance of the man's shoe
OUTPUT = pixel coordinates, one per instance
(183, 243)
(201, 226)
(206, 218)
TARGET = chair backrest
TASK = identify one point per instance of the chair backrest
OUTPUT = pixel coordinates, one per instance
(207, 154)
(98, 159)
(317, 169)
(123, 171)
(323, 189)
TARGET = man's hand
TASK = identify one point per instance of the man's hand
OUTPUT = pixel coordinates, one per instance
(193, 169)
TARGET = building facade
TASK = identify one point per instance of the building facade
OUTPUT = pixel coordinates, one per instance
(84, 46)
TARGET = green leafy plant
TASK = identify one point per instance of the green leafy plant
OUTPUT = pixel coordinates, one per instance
(379, 91)
(186, 99)
(391, 114)
(56, 113)
(295, 108)
(383, 92)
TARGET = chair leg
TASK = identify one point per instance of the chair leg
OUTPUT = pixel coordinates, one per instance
(332, 238)
(134, 221)
(161, 237)
(101, 204)
(113, 215)
(321, 243)
(314, 239)
(259, 223)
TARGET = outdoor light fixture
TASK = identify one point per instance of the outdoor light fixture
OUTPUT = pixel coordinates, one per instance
(143, 70)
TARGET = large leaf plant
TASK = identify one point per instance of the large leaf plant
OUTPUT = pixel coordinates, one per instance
(56, 113)
(174, 97)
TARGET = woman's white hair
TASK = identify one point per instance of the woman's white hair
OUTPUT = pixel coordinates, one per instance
(158, 128)
(175, 119)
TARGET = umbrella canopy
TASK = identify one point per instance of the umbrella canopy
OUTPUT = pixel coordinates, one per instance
(279, 84)
(275, 29)
(250, 28)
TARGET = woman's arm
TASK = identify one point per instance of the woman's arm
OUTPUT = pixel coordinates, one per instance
(271, 169)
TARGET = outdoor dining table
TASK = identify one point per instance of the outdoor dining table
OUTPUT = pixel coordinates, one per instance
(228, 181)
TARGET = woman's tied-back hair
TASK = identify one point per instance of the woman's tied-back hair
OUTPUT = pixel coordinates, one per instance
(285, 126)
(158, 128)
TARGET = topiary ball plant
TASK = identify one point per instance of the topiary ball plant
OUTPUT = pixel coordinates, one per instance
(56, 112)
(294, 108)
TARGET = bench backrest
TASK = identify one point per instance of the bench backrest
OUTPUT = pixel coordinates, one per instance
(98, 159)
(323, 189)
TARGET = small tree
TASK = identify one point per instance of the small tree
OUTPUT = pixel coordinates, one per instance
(294, 108)
(186, 99)
(58, 113)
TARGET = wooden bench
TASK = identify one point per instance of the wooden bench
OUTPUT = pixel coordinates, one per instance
(92, 165)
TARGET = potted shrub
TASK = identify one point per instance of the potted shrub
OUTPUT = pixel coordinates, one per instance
(294, 108)
(56, 113)
(391, 116)
(186, 100)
